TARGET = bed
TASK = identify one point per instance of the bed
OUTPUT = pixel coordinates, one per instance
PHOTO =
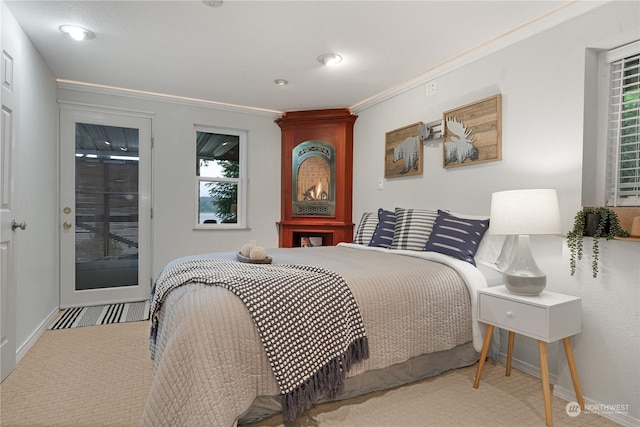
(417, 307)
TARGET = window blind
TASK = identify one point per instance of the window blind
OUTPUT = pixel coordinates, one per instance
(623, 135)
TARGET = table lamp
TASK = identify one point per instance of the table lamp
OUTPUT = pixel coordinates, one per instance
(522, 213)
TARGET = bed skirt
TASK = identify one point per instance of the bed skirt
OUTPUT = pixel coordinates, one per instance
(414, 369)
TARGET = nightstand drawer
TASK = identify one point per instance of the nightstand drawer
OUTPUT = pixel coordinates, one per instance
(513, 315)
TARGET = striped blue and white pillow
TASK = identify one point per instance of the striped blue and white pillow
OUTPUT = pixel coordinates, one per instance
(383, 236)
(413, 227)
(366, 228)
(457, 237)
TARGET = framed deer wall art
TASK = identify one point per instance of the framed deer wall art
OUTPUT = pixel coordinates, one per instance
(403, 152)
(473, 133)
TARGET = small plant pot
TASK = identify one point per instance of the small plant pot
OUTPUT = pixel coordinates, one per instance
(591, 225)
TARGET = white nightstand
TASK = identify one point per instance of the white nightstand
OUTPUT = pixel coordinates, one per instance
(547, 317)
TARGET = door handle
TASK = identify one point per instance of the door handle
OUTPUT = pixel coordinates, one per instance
(66, 225)
(15, 225)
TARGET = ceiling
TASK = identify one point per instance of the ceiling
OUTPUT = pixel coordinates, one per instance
(232, 54)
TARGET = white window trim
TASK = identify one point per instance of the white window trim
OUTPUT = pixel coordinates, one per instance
(606, 58)
(242, 180)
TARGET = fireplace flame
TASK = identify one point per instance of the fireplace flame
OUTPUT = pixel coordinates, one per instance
(315, 192)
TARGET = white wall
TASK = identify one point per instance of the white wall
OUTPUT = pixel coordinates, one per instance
(174, 173)
(607, 351)
(543, 87)
(36, 190)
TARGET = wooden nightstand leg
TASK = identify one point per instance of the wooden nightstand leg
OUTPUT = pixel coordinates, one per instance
(483, 355)
(574, 372)
(546, 391)
(510, 352)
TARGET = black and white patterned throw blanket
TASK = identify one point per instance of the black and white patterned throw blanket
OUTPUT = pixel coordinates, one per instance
(307, 319)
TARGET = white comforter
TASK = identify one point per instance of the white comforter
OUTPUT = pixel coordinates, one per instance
(472, 277)
(210, 364)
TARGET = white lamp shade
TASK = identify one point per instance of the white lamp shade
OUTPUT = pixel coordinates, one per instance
(525, 212)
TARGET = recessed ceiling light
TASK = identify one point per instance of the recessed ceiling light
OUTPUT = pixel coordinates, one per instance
(281, 82)
(329, 59)
(77, 33)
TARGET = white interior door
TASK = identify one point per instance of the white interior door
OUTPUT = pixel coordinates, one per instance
(8, 233)
(105, 198)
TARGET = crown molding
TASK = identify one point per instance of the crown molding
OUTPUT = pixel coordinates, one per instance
(528, 29)
(152, 96)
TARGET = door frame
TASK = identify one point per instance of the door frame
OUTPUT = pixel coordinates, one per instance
(70, 114)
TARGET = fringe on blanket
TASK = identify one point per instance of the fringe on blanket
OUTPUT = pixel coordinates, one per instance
(328, 380)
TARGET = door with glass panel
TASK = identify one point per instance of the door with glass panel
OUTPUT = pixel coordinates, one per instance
(105, 207)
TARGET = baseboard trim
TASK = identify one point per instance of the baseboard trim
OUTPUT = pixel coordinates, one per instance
(570, 396)
(36, 334)
(527, 368)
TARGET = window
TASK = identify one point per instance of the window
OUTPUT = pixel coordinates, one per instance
(220, 178)
(623, 129)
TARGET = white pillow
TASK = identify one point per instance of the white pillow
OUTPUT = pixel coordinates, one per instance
(491, 274)
(504, 258)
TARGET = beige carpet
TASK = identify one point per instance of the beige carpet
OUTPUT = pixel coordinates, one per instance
(100, 376)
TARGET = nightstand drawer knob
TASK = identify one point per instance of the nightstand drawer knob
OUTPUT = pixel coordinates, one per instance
(509, 314)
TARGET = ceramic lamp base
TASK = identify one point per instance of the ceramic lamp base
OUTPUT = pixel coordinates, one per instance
(523, 276)
(524, 285)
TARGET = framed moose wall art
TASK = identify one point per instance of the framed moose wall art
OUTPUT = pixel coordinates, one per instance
(473, 133)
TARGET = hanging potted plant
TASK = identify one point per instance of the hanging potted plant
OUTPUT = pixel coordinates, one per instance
(596, 222)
